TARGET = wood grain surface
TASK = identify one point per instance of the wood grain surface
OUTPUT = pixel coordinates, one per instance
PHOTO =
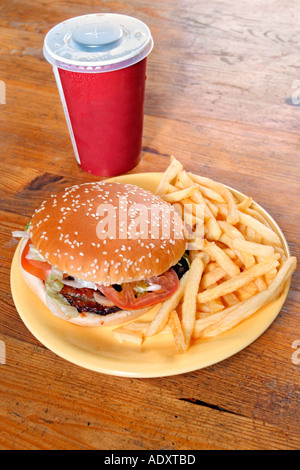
(223, 93)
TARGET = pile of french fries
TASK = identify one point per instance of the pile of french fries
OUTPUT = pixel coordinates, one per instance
(237, 266)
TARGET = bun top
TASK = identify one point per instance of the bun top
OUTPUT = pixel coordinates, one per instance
(108, 233)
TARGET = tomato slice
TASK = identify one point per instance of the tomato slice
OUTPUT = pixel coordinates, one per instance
(128, 299)
(40, 269)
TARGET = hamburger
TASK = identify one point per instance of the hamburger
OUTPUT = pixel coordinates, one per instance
(103, 253)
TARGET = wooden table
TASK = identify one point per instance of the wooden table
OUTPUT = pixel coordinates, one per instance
(223, 93)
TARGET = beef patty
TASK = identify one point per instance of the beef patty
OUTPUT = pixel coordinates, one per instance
(83, 300)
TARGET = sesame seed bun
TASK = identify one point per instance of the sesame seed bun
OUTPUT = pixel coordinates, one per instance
(108, 233)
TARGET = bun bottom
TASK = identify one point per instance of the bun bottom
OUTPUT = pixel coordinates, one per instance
(86, 319)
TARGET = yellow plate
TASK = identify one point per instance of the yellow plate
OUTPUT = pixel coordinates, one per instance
(96, 349)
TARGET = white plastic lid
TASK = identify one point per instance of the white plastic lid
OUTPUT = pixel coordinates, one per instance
(98, 43)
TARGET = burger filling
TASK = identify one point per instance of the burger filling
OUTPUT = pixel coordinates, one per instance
(84, 301)
(76, 296)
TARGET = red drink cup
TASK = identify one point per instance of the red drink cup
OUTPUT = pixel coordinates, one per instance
(99, 62)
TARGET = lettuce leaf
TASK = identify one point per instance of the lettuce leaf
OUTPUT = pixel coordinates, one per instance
(53, 288)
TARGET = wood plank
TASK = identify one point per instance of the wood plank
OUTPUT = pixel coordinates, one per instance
(41, 421)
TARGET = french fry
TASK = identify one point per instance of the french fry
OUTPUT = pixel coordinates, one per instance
(200, 254)
(252, 248)
(212, 226)
(210, 266)
(215, 252)
(169, 175)
(230, 299)
(233, 233)
(246, 258)
(210, 193)
(134, 332)
(211, 229)
(170, 188)
(238, 281)
(232, 216)
(250, 306)
(282, 255)
(142, 326)
(189, 304)
(194, 222)
(257, 215)
(223, 211)
(229, 252)
(216, 305)
(230, 230)
(161, 318)
(203, 308)
(212, 276)
(243, 229)
(249, 290)
(260, 283)
(195, 244)
(200, 314)
(124, 334)
(267, 233)
(212, 207)
(183, 180)
(245, 204)
(179, 195)
(270, 276)
(176, 329)
(202, 323)
(253, 236)
(191, 207)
